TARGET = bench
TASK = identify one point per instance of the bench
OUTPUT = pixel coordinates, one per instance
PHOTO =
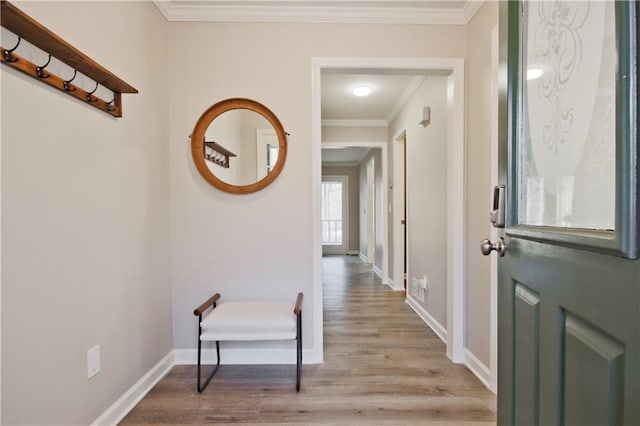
(248, 321)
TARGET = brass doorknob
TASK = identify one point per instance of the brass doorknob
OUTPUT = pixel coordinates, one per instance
(486, 247)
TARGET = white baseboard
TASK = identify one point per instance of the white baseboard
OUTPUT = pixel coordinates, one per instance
(363, 257)
(427, 318)
(378, 272)
(388, 282)
(400, 287)
(478, 368)
(119, 409)
(234, 356)
(353, 253)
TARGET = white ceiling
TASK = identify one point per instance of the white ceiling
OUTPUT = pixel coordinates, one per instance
(350, 155)
(454, 12)
(389, 93)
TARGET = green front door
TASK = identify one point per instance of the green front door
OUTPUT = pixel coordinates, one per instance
(569, 280)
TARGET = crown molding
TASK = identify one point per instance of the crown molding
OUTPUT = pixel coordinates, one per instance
(369, 12)
(406, 95)
(470, 9)
(354, 123)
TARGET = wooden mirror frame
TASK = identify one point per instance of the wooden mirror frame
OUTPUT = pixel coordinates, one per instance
(198, 137)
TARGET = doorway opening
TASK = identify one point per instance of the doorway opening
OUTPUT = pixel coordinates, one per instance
(393, 270)
(335, 214)
(364, 166)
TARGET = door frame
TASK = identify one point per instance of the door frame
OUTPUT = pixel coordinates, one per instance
(456, 225)
(493, 272)
(262, 136)
(370, 212)
(346, 190)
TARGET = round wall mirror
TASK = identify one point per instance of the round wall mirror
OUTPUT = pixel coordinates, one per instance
(239, 146)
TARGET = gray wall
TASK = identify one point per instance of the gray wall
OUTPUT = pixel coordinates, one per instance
(427, 193)
(85, 219)
(268, 62)
(354, 199)
(479, 184)
(87, 241)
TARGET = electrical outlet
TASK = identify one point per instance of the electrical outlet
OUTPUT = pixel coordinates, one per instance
(424, 282)
(416, 289)
(93, 361)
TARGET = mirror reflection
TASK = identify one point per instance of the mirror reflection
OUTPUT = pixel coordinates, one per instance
(241, 147)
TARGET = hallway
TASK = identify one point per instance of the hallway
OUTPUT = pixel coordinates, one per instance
(382, 365)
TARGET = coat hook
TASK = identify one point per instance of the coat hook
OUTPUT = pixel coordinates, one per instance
(67, 83)
(40, 69)
(8, 57)
(90, 97)
(109, 105)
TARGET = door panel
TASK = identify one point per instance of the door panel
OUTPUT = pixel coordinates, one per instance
(526, 335)
(567, 337)
(569, 283)
(589, 349)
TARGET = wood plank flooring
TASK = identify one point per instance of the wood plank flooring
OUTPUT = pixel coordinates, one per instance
(382, 365)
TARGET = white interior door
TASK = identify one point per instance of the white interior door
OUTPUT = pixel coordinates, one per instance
(335, 214)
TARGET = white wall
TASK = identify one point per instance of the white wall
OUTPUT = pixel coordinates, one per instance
(86, 241)
(363, 242)
(380, 187)
(227, 243)
(376, 155)
(427, 192)
(85, 221)
(479, 185)
(354, 134)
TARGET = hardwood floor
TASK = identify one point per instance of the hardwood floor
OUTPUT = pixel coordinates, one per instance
(382, 365)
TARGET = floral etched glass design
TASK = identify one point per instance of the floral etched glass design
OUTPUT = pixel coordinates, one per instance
(566, 149)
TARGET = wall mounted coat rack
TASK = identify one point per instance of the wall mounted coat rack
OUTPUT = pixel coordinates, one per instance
(26, 28)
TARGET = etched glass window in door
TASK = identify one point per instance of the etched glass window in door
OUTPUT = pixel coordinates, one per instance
(566, 152)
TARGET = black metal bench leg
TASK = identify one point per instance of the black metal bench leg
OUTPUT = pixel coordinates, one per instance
(215, 370)
(299, 352)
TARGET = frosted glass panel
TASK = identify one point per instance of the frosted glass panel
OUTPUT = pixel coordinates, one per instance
(566, 155)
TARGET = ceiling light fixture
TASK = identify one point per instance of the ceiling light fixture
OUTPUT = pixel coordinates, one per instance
(362, 91)
(533, 73)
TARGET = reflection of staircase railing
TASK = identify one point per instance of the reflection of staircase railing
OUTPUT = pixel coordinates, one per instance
(331, 231)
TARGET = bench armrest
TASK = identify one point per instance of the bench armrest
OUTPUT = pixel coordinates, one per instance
(200, 309)
(298, 309)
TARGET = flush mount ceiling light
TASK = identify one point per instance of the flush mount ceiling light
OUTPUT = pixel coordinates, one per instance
(362, 90)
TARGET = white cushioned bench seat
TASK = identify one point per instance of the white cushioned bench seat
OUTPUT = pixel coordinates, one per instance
(250, 321)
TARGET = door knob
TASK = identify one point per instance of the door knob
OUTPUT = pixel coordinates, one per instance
(486, 247)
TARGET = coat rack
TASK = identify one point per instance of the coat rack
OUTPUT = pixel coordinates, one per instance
(26, 28)
(216, 153)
